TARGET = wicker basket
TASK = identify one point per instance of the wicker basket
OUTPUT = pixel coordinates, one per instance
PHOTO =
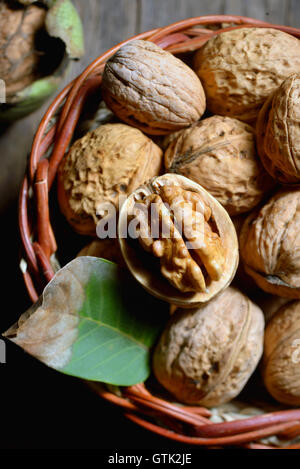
(191, 425)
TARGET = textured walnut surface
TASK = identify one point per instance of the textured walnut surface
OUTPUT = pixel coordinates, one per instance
(219, 153)
(18, 55)
(239, 69)
(151, 89)
(107, 163)
(206, 355)
(281, 364)
(270, 245)
(278, 132)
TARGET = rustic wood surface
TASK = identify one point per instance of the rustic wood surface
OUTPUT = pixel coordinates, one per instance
(62, 419)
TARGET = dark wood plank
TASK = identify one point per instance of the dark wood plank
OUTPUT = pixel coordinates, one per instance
(156, 13)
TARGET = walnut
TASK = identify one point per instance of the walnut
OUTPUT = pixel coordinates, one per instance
(278, 132)
(176, 221)
(239, 69)
(102, 167)
(207, 354)
(19, 58)
(219, 153)
(270, 245)
(104, 248)
(281, 361)
(151, 89)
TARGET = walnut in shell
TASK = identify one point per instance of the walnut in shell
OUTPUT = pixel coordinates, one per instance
(219, 153)
(206, 355)
(104, 248)
(281, 361)
(178, 241)
(100, 169)
(270, 245)
(151, 89)
(278, 132)
(239, 69)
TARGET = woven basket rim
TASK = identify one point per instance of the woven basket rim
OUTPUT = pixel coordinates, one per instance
(137, 402)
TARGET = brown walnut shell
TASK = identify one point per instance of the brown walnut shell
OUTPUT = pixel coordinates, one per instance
(104, 248)
(278, 132)
(151, 89)
(270, 245)
(239, 69)
(174, 281)
(101, 168)
(281, 361)
(206, 355)
(219, 153)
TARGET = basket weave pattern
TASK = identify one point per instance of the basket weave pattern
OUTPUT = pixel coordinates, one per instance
(189, 425)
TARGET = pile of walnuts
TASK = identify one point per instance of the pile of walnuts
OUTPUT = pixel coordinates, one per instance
(192, 157)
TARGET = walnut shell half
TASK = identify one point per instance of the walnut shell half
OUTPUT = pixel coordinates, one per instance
(151, 89)
(239, 69)
(219, 153)
(270, 245)
(178, 241)
(278, 132)
(206, 355)
(281, 362)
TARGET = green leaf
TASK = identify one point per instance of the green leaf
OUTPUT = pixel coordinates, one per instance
(63, 21)
(93, 322)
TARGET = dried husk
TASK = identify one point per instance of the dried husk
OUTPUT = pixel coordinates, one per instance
(281, 362)
(151, 89)
(278, 132)
(102, 168)
(239, 69)
(219, 153)
(206, 355)
(146, 269)
(19, 58)
(270, 245)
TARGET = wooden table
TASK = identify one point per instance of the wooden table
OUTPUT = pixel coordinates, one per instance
(44, 408)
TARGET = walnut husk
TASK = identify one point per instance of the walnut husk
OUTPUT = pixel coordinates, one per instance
(151, 89)
(206, 355)
(270, 245)
(239, 69)
(101, 168)
(19, 58)
(219, 153)
(174, 266)
(281, 361)
(278, 132)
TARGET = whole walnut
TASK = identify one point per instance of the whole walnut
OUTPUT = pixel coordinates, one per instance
(239, 69)
(19, 58)
(270, 245)
(151, 89)
(104, 248)
(219, 153)
(281, 361)
(101, 168)
(206, 355)
(278, 132)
